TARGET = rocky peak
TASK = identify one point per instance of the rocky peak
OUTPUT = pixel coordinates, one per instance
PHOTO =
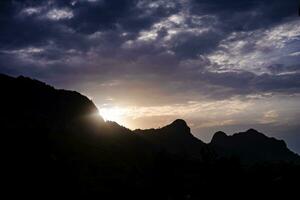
(178, 127)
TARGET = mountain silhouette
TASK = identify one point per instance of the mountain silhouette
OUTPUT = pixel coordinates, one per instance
(252, 146)
(54, 143)
(56, 139)
(176, 138)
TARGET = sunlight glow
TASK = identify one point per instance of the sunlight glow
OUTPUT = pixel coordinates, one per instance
(115, 114)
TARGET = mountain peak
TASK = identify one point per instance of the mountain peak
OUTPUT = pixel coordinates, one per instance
(251, 130)
(252, 146)
(219, 135)
(179, 123)
(179, 126)
(176, 138)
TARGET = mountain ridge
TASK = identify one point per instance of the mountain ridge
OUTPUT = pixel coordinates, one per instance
(55, 142)
(252, 146)
(176, 138)
(66, 106)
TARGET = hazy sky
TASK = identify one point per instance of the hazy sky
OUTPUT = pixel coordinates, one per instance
(220, 65)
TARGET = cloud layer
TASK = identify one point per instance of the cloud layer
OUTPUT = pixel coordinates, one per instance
(196, 59)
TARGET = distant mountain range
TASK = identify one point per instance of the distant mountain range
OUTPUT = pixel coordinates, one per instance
(57, 140)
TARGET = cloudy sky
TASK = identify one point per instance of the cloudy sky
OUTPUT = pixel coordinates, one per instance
(220, 65)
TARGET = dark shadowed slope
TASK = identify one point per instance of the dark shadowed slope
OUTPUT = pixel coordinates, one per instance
(252, 146)
(54, 143)
(176, 138)
(28, 104)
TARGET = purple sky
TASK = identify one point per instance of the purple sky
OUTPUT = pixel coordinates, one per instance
(220, 65)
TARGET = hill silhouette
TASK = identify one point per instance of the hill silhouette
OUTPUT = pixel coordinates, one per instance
(55, 144)
(252, 146)
(176, 138)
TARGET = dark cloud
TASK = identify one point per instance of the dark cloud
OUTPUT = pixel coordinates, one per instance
(247, 15)
(160, 53)
(140, 38)
(280, 68)
(189, 45)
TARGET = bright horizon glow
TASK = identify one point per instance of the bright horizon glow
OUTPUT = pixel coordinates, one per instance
(115, 114)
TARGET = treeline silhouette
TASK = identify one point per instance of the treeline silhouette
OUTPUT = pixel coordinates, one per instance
(55, 145)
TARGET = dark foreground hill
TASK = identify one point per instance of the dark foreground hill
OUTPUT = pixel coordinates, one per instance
(54, 144)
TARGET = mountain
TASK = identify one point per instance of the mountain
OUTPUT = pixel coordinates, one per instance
(54, 143)
(26, 97)
(252, 146)
(176, 138)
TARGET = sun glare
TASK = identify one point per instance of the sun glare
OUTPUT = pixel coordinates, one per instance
(115, 114)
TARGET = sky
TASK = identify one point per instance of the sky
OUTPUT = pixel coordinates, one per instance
(220, 65)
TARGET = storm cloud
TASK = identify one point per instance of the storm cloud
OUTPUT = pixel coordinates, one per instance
(154, 54)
